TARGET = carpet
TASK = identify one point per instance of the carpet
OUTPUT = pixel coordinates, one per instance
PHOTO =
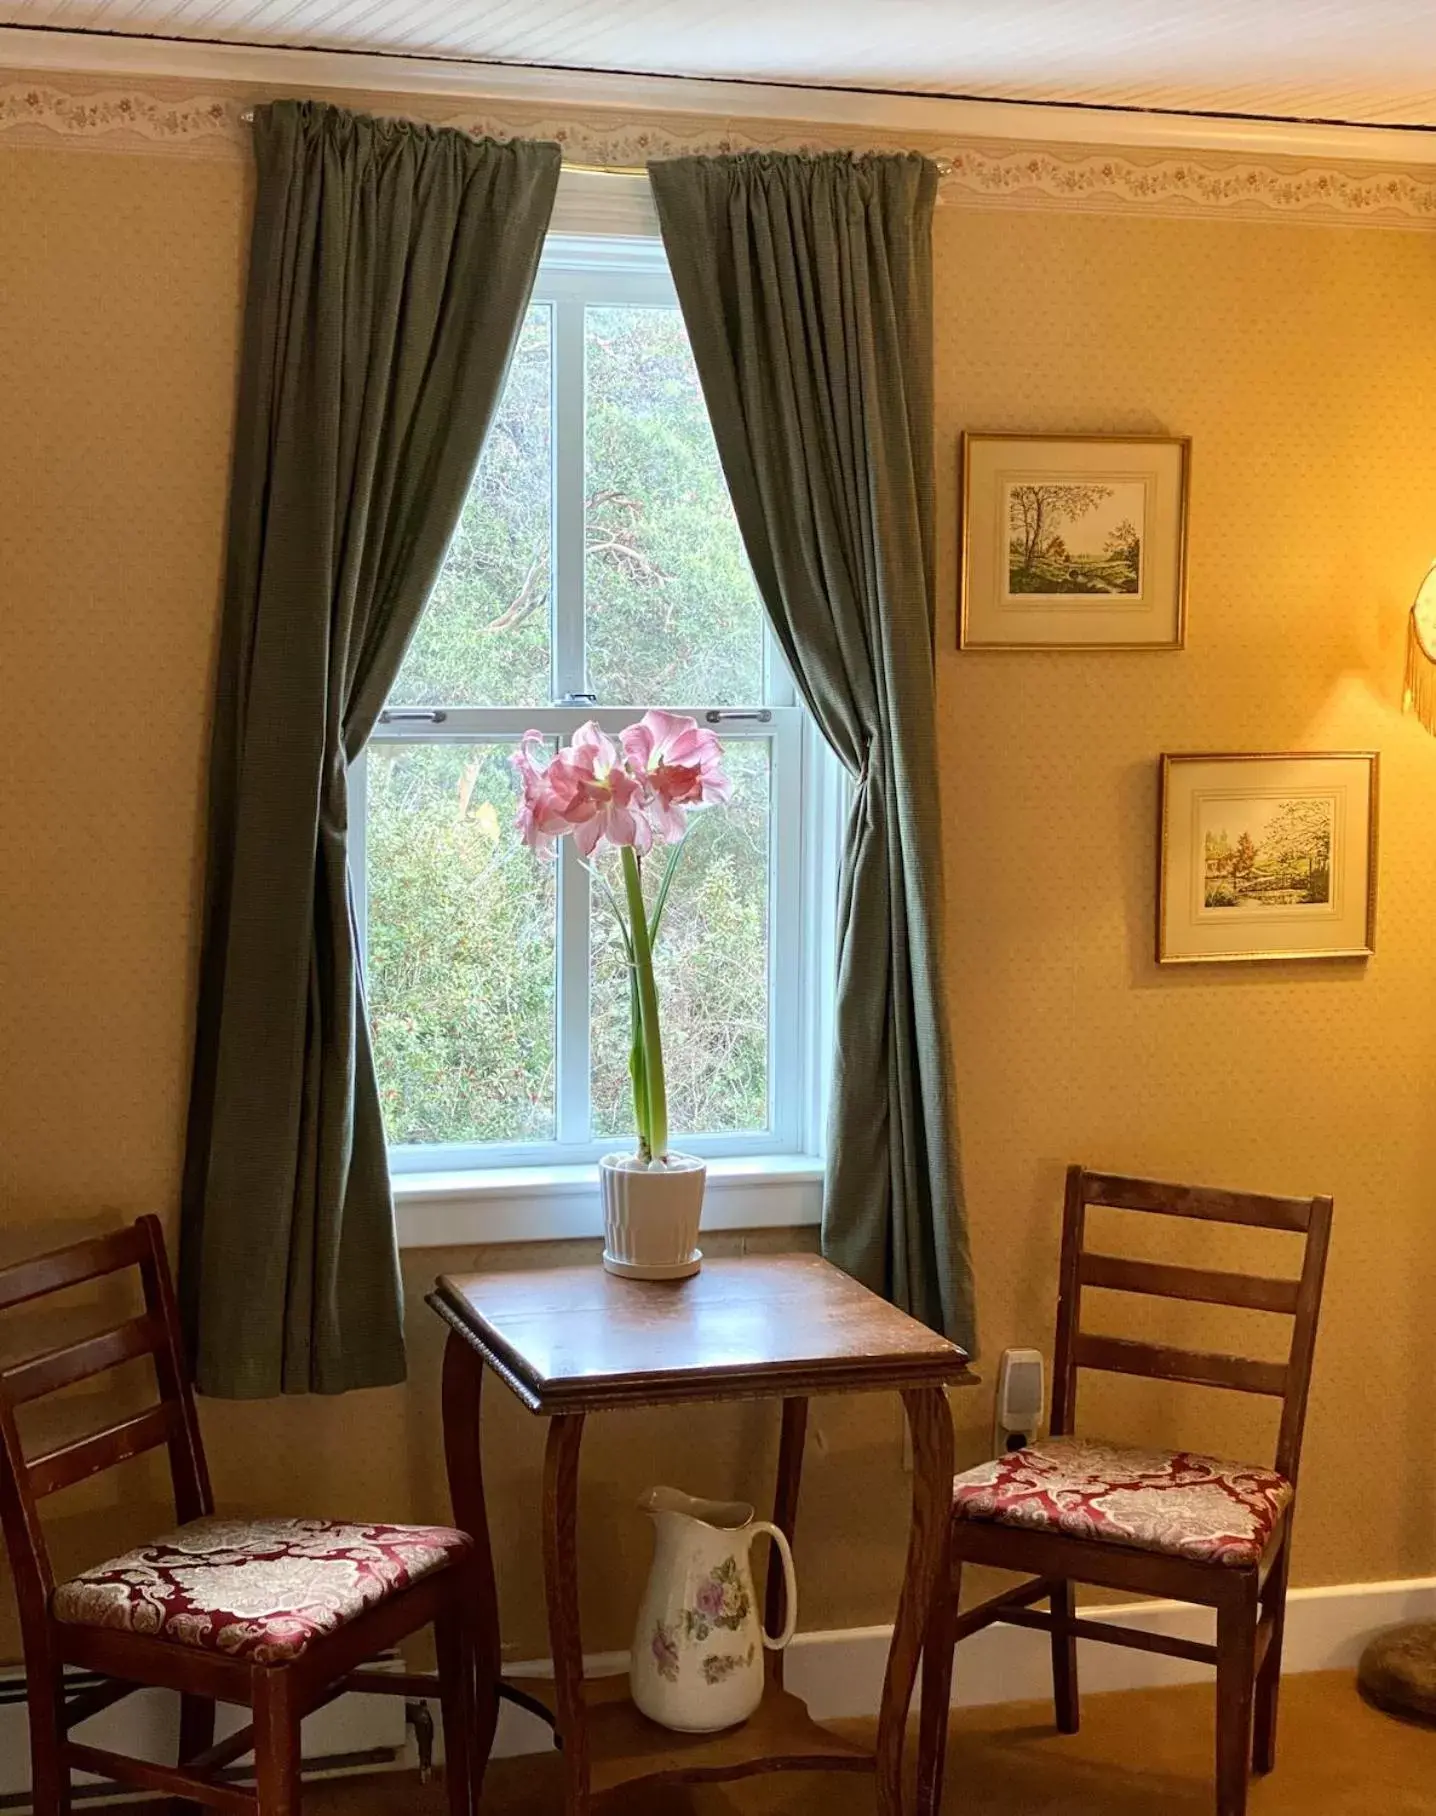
(1140, 1753)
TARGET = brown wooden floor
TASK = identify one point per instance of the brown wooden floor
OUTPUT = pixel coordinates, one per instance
(1140, 1754)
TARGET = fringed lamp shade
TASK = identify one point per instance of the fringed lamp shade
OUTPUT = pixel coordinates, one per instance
(1421, 653)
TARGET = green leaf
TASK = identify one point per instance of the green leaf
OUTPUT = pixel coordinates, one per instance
(655, 919)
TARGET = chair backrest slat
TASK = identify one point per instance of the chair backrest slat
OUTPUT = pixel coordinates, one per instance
(1298, 1299)
(1161, 1280)
(72, 1463)
(1200, 1368)
(82, 1261)
(1205, 1202)
(57, 1368)
(26, 1480)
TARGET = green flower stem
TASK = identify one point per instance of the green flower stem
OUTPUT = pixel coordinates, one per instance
(656, 1144)
(636, 1069)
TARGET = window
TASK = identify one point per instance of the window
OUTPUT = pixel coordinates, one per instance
(596, 571)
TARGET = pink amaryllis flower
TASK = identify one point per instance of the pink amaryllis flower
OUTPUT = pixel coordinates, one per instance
(623, 794)
(587, 789)
(679, 765)
(608, 800)
(543, 814)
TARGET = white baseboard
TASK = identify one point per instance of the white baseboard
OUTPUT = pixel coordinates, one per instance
(839, 1674)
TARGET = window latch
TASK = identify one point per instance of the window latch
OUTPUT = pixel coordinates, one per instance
(723, 715)
(576, 699)
(418, 716)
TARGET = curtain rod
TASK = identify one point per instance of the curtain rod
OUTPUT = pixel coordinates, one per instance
(944, 165)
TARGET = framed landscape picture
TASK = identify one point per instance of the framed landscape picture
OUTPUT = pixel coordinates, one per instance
(1267, 857)
(1073, 542)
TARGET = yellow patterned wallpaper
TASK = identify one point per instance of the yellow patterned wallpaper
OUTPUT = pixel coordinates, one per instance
(1302, 363)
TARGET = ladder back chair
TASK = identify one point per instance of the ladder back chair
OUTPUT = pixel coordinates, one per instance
(276, 1615)
(1161, 1523)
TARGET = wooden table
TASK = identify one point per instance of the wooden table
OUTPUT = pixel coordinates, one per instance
(575, 1340)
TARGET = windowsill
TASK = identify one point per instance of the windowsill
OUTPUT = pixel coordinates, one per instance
(553, 1204)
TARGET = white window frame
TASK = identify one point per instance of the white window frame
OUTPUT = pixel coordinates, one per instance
(458, 1192)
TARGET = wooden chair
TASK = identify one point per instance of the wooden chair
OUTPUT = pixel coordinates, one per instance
(160, 1616)
(1165, 1524)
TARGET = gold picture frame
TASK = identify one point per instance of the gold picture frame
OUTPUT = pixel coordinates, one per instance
(1267, 856)
(1073, 542)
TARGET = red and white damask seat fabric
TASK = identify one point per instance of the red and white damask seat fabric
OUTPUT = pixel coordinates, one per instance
(259, 1590)
(1168, 1501)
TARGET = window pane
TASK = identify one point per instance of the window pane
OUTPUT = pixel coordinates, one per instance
(484, 636)
(673, 616)
(461, 959)
(712, 971)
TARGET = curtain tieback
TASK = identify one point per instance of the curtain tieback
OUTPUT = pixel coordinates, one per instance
(871, 769)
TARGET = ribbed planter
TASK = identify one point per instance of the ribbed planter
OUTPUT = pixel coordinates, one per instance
(651, 1216)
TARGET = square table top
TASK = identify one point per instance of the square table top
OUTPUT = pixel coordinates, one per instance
(576, 1339)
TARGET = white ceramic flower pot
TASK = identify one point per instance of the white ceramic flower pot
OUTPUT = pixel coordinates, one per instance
(651, 1213)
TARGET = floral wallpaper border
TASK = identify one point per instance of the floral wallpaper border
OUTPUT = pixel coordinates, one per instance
(96, 117)
(988, 173)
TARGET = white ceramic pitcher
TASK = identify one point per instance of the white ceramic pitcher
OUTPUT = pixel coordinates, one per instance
(697, 1661)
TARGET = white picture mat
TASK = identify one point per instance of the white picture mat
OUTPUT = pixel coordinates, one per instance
(994, 618)
(1190, 930)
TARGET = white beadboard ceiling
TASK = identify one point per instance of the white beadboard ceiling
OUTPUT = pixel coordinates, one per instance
(1371, 61)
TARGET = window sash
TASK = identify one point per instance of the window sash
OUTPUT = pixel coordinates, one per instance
(574, 274)
(782, 732)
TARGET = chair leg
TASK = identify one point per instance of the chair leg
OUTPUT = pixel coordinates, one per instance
(1236, 1688)
(276, 1744)
(454, 1644)
(937, 1661)
(1064, 1659)
(49, 1775)
(1268, 1684)
(196, 1732)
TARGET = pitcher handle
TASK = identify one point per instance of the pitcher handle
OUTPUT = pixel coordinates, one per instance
(790, 1582)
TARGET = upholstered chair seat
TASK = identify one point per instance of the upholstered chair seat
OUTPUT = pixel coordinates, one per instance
(1170, 1501)
(261, 1590)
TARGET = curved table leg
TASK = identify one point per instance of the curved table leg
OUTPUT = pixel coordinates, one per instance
(462, 1401)
(560, 1569)
(785, 1517)
(930, 1423)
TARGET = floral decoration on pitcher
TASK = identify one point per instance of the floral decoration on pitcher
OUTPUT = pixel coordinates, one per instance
(722, 1601)
(719, 1665)
(665, 1651)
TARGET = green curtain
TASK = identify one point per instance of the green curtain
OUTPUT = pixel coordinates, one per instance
(806, 284)
(390, 268)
